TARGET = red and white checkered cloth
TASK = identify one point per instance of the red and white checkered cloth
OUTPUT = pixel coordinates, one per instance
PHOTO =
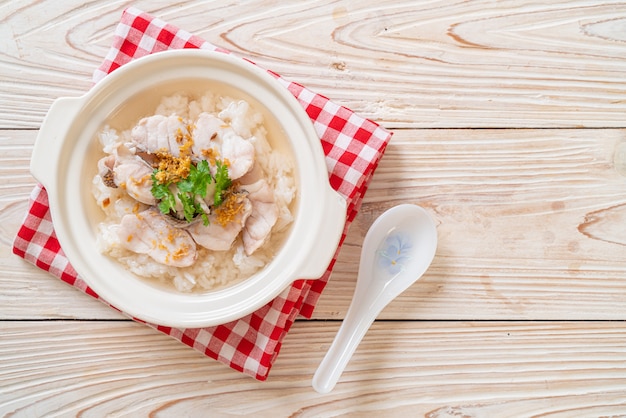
(353, 147)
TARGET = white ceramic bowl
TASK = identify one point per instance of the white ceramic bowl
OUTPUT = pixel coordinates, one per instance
(64, 161)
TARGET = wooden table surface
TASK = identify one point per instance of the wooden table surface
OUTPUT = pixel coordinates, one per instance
(509, 122)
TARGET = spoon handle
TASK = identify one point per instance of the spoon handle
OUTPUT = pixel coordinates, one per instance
(350, 334)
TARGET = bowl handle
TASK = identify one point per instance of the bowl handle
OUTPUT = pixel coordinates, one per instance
(328, 241)
(44, 161)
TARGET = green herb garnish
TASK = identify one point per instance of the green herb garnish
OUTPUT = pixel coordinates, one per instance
(198, 180)
(162, 192)
(191, 189)
(222, 183)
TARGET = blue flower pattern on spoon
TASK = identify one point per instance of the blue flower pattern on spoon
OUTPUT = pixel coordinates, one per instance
(393, 253)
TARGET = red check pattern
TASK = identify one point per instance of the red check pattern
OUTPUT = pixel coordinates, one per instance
(353, 147)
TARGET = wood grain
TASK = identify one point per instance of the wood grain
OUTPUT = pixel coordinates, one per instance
(530, 225)
(509, 129)
(405, 64)
(428, 369)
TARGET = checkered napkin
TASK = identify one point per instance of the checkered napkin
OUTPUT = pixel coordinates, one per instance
(353, 147)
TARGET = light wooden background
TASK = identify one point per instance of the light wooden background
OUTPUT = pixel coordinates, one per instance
(510, 128)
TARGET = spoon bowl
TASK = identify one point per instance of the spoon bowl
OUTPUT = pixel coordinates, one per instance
(397, 250)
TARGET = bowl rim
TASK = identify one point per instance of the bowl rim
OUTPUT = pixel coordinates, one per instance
(318, 200)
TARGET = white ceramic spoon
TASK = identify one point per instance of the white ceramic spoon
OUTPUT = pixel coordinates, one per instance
(397, 250)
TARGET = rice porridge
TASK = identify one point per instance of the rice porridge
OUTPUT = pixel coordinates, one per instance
(194, 196)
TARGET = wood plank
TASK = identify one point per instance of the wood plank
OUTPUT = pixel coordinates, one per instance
(522, 311)
(432, 369)
(405, 64)
(531, 225)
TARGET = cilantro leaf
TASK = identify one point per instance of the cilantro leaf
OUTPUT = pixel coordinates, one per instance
(191, 189)
(222, 182)
(189, 206)
(163, 193)
(197, 181)
(201, 178)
